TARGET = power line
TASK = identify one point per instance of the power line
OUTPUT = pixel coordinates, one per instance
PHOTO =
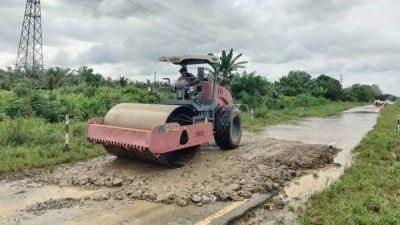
(173, 39)
(181, 15)
(186, 19)
(184, 3)
(179, 24)
(151, 11)
(174, 22)
(96, 9)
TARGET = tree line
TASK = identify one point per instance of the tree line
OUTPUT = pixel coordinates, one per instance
(253, 89)
(57, 77)
(85, 93)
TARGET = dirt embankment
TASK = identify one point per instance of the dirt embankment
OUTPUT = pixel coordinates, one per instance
(260, 165)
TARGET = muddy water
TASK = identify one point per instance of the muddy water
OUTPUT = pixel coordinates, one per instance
(344, 130)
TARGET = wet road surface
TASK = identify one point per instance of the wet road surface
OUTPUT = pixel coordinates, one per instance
(344, 130)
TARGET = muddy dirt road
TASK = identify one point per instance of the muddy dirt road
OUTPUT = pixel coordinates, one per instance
(107, 190)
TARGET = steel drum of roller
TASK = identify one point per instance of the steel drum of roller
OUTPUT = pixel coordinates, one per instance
(145, 117)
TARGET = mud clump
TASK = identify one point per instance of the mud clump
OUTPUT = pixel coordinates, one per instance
(318, 159)
(40, 207)
(259, 165)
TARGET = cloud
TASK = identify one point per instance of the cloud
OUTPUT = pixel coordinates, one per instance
(358, 39)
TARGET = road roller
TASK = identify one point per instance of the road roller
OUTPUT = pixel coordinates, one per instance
(170, 132)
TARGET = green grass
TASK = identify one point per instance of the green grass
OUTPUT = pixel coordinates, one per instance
(264, 116)
(33, 143)
(369, 191)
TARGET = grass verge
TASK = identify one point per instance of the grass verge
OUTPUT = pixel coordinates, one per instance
(33, 143)
(369, 191)
(264, 116)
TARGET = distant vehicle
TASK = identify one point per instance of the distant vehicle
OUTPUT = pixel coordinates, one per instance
(379, 103)
(388, 102)
(383, 103)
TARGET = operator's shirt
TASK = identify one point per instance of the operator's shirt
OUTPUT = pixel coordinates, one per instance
(192, 79)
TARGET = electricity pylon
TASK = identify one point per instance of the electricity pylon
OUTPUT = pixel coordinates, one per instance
(30, 53)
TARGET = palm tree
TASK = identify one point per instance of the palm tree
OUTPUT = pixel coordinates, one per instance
(228, 65)
(55, 77)
(123, 81)
(7, 78)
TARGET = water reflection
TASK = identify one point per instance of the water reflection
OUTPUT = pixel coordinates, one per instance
(344, 130)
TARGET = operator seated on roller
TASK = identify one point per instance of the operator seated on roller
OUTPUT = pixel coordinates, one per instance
(185, 81)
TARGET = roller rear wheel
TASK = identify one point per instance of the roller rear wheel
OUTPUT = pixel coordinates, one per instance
(228, 127)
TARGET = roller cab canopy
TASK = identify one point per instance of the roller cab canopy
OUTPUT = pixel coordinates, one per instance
(191, 59)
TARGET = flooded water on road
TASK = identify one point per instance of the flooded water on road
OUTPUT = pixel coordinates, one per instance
(344, 130)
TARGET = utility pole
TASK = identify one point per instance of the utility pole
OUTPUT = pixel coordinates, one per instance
(341, 79)
(30, 53)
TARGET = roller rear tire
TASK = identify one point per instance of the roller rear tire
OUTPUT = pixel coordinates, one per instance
(228, 127)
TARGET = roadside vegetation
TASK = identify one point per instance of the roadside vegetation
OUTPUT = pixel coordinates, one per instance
(32, 109)
(31, 142)
(368, 192)
(311, 107)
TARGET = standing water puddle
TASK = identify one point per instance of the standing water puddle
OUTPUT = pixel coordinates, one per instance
(344, 130)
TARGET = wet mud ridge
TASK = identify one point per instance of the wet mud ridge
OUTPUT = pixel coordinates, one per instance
(40, 208)
(260, 165)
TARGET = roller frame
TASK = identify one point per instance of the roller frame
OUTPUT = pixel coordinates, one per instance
(160, 139)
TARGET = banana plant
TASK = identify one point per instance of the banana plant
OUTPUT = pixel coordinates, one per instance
(229, 63)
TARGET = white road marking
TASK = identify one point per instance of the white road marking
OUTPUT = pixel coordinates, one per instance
(221, 212)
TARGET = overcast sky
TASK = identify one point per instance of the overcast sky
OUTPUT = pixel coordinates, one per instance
(357, 38)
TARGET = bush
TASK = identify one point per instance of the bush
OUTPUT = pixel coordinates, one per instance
(303, 100)
(80, 103)
(19, 108)
(22, 89)
(283, 102)
(5, 98)
(261, 112)
(52, 111)
(78, 129)
(23, 131)
(28, 143)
